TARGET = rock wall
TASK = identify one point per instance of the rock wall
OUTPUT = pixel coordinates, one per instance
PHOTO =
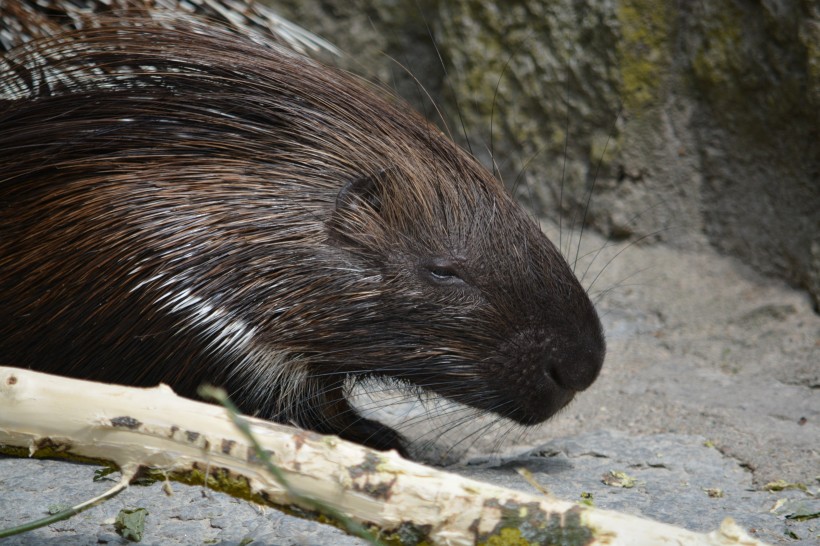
(692, 123)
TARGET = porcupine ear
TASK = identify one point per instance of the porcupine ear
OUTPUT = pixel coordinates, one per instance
(367, 191)
(360, 207)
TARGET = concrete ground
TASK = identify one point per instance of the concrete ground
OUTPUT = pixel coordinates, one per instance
(711, 391)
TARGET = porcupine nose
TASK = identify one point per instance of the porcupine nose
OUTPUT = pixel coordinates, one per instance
(582, 356)
(540, 369)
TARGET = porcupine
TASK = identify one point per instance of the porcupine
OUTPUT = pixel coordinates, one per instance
(182, 204)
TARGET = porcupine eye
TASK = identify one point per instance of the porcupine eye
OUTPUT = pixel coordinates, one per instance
(443, 272)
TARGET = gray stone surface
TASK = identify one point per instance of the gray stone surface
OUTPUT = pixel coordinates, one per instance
(673, 475)
(191, 515)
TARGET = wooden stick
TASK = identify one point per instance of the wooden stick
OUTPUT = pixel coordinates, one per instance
(157, 431)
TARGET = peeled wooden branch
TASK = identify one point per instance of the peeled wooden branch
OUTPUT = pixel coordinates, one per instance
(155, 430)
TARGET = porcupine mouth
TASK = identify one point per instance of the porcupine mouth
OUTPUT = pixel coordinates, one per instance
(551, 399)
(436, 427)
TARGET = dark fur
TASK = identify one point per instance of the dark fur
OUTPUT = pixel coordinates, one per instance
(180, 205)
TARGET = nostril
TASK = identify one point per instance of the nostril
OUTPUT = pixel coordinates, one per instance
(579, 365)
(579, 373)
